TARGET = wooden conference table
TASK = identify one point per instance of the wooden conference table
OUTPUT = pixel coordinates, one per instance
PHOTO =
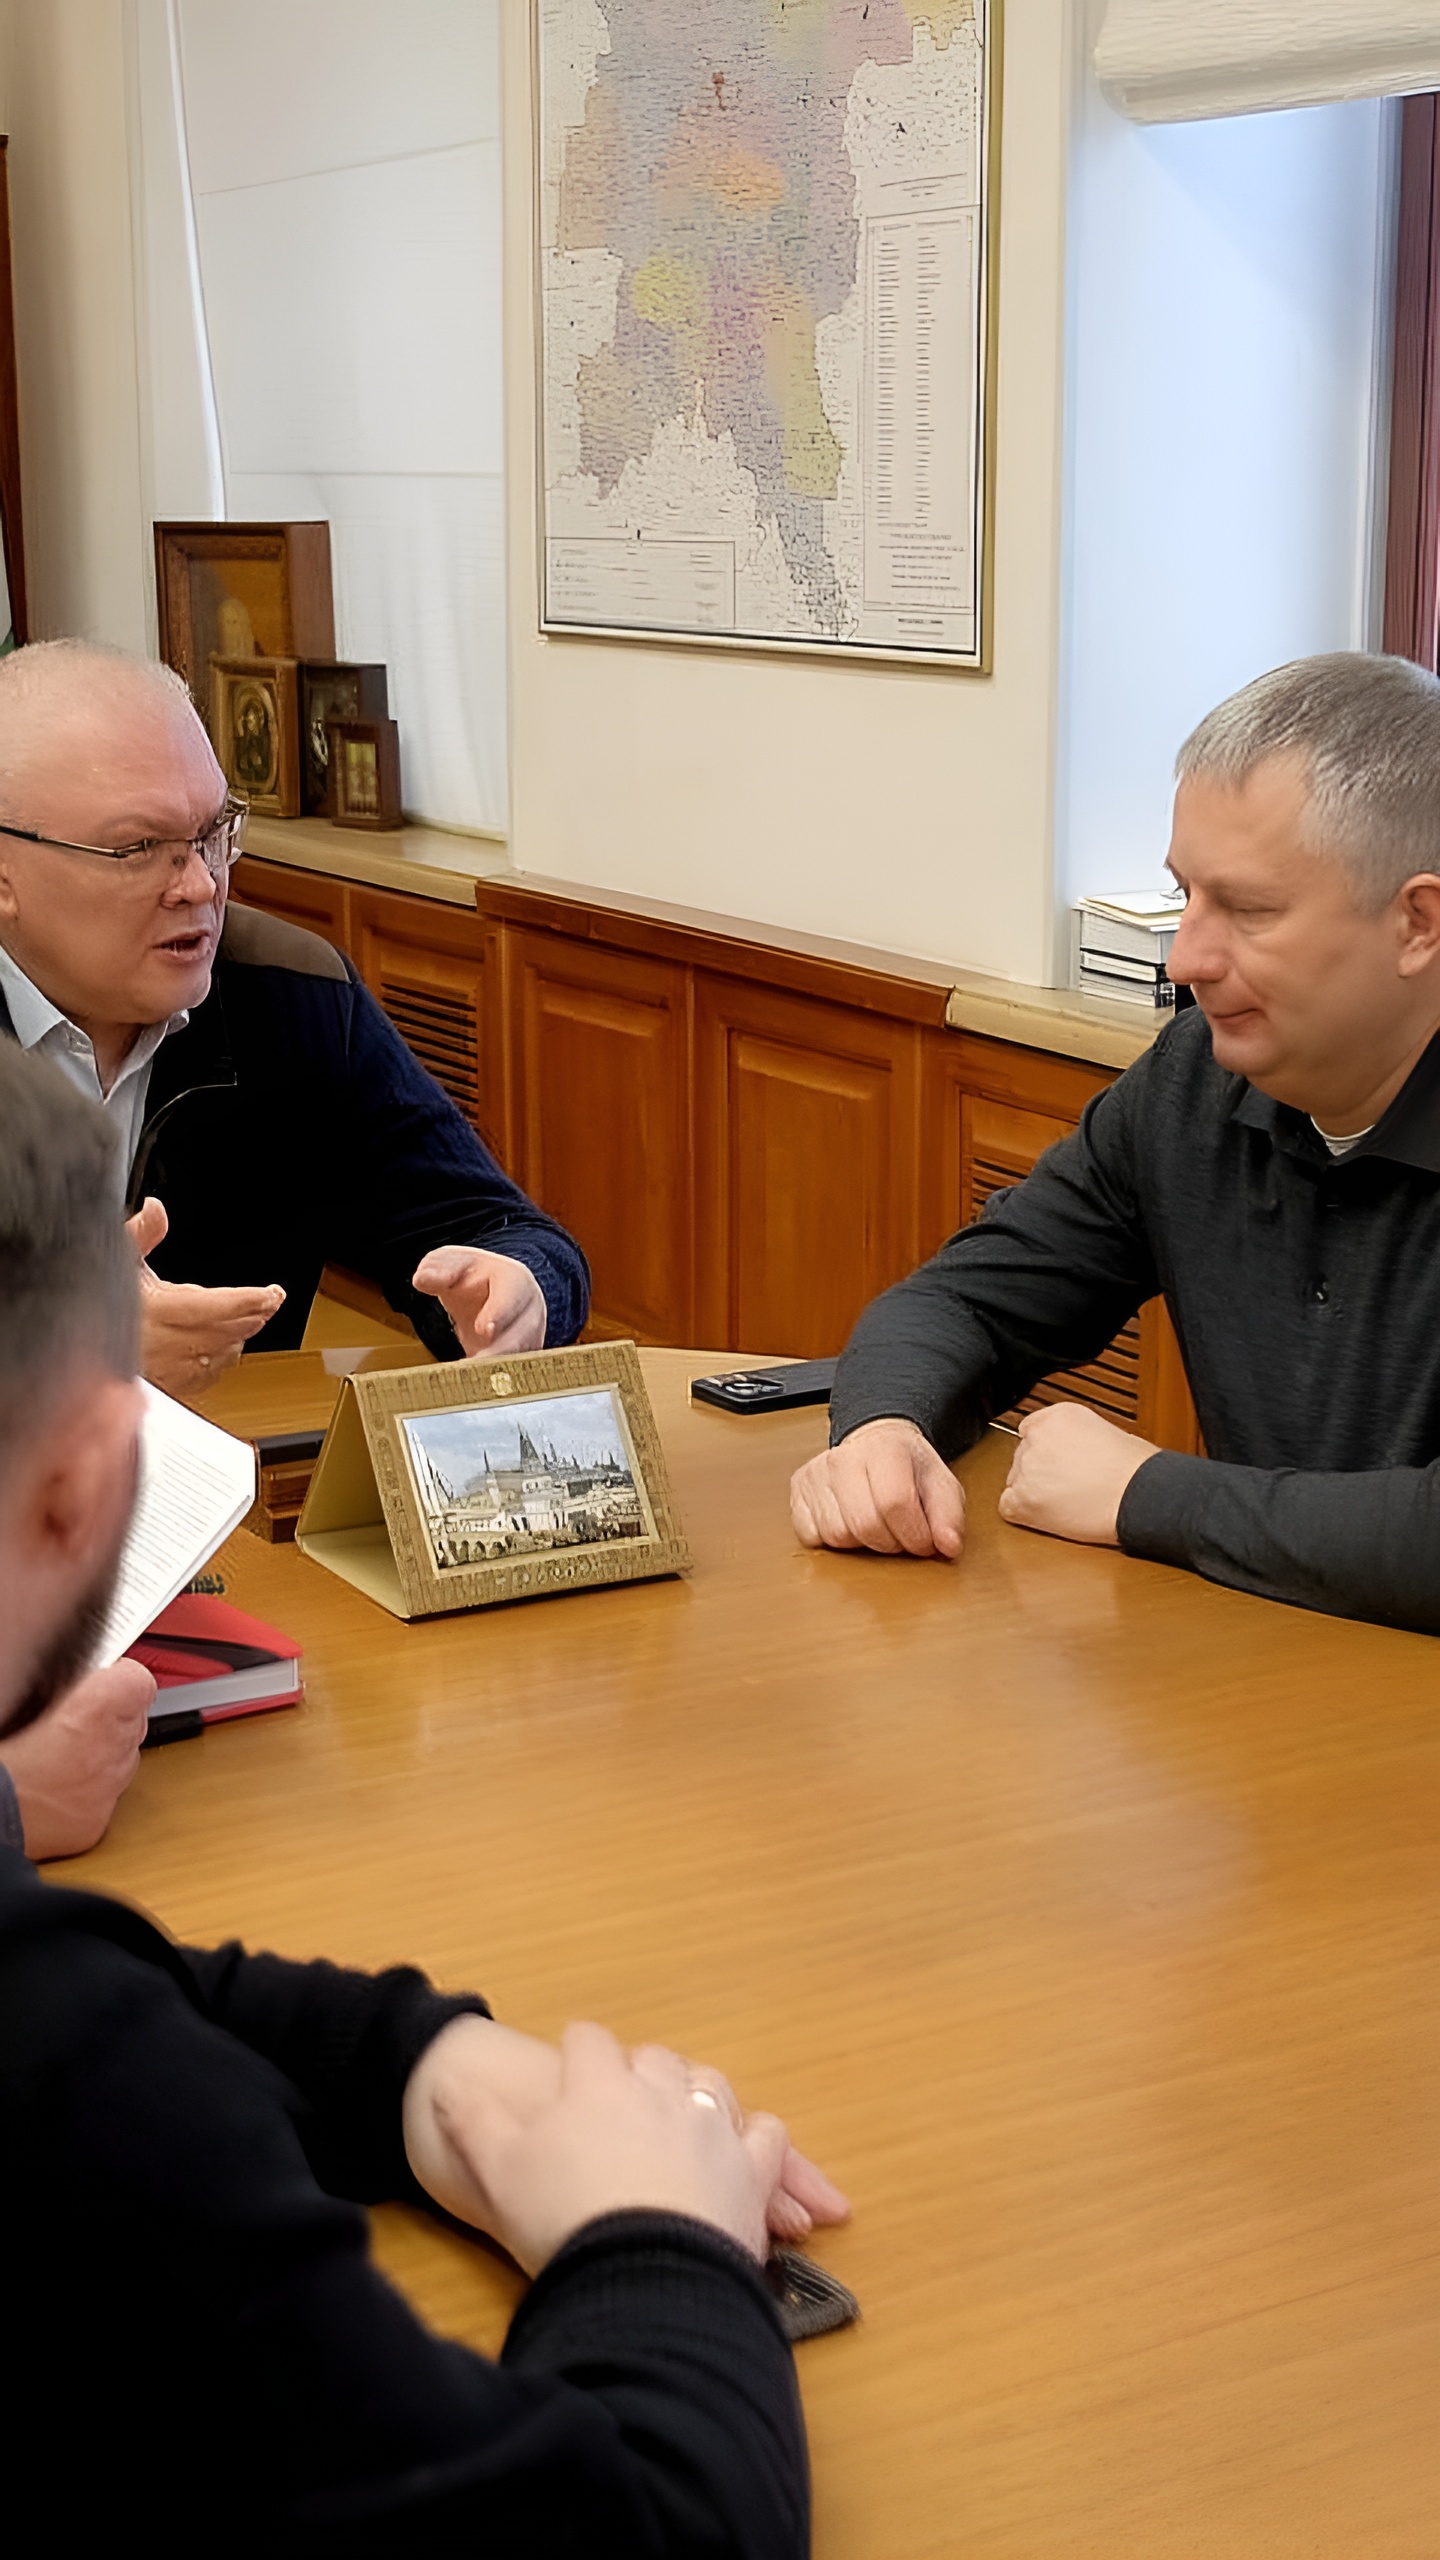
(1078, 1916)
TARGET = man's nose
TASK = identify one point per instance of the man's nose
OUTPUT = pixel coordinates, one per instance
(1196, 954)
(191, 883)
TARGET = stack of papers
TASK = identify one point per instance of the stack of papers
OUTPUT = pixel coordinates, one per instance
(196, 1485)
(1122, 944)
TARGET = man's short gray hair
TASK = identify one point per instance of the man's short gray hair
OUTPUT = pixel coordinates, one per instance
(1367, 732)
(69, 1289)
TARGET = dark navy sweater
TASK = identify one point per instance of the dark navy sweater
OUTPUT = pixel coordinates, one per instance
(288, 1125)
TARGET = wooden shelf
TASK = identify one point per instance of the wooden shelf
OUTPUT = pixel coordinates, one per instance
(421, 862)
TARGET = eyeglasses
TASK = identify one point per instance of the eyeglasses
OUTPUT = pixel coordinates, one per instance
(219, 845)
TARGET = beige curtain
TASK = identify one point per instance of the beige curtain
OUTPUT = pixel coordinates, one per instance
(1172, 61)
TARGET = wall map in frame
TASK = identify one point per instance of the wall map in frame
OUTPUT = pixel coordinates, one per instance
(765, 252)
(459, 1485)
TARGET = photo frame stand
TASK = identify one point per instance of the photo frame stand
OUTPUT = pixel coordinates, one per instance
(364, 1517)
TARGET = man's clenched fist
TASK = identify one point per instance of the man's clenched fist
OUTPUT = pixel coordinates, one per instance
(1069, 1474)
(884, 1487)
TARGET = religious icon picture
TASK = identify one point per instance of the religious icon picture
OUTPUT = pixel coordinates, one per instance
(241, 591)
(332, 689)
(365, 774)
(256, 730)
(465, 1483)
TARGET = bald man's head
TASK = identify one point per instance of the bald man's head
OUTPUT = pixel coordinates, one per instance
(68, 701)
(101, 750)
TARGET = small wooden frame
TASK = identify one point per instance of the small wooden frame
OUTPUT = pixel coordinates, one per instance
(459, 1485)
(365, 775)
(226, 590)
(332, 689)
(255, 723)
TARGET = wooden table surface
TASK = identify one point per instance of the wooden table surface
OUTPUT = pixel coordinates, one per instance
(1079, 1916)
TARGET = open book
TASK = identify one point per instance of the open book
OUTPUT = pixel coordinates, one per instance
(196, 1485)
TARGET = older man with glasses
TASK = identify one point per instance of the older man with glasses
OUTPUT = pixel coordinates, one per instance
(270, 1117)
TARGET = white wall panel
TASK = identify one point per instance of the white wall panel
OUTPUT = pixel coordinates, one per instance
(345, 166)
(280, 88)
(355, 317)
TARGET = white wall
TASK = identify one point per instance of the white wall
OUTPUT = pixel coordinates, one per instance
(63, 98)
(1227, 365)
(345, 162)
(899, 807)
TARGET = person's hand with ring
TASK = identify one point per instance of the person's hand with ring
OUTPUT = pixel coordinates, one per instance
(190, 1335)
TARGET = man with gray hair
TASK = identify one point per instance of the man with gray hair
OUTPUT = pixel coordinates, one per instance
(1271, 1165)
(270, 1117)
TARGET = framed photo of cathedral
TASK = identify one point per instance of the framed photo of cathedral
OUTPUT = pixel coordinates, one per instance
(466, 1483)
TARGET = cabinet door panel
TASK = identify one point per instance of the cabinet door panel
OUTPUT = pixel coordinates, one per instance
(305, 898)
(601, 1077)
(805, 1166)
(425, 964)
(984, 1144)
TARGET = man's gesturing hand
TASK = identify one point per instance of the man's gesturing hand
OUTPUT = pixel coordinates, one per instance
(70, 1767)
(494, 1302)
(884, 1487)
(1069, 1474)
(476, 2066)
(188, 1335)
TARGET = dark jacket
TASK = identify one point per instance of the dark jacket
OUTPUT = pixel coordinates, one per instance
(199, 2355)
(1306, 1295)
(288, 1125)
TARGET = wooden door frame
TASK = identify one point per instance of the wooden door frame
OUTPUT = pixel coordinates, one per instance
(1412, 542)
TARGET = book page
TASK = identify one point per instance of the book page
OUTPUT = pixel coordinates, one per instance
(196, 1485)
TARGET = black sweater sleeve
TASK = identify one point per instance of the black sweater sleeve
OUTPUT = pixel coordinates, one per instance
(1042, 1281)
(1355, 1546)
(162, 2115)
(346, 2042)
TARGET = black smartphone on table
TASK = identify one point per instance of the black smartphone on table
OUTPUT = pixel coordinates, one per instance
(778, 1389)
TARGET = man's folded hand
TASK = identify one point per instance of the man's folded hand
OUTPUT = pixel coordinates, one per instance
(481, 2087)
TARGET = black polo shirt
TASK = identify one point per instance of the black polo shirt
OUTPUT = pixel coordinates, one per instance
(1305, 1292)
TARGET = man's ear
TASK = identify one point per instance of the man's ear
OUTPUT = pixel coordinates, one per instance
(9, 900)
(82, 1482)
(1419, 918)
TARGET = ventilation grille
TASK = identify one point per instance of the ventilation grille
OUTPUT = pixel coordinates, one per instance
(1111, 1384)
(443, 1032)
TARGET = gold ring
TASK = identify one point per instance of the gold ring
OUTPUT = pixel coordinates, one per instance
(704, 2098)
(204, 1359)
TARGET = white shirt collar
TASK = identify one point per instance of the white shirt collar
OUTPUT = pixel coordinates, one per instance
(34, 1016)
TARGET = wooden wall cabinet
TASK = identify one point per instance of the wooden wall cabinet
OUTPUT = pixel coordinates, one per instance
(749, 1142)
(806, 1122)
(600, 1049)
(426, 964)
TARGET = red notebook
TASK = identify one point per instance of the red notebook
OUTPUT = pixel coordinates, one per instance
(212, 1661)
